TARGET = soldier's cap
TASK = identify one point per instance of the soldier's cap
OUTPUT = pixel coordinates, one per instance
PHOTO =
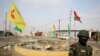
(84, 33)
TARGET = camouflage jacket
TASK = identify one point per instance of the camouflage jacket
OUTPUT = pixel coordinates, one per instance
(78, 50)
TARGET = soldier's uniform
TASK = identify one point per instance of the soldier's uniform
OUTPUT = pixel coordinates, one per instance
(78, 49)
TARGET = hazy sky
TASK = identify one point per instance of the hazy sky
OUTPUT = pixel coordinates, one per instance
(41, 14)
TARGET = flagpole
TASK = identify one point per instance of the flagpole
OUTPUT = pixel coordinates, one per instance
(5, 27)
(59, 27)
(30, 36)
(9, 26)
(6, 33)
(75, 28)
(70, 21)
(76, 17)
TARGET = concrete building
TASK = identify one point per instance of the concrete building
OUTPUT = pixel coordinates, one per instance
(73, 33)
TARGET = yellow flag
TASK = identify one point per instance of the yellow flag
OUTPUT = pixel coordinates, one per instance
(15, 17)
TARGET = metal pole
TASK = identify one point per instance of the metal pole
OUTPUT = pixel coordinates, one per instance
(9, 26)
(59, 27)
(5, 26)
(6, 33)
(74, 28)
(70, 20)
(30, 36)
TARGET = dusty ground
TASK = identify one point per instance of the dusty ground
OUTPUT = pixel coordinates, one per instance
(95, 46)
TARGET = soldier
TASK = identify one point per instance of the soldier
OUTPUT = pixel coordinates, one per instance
(81, 48)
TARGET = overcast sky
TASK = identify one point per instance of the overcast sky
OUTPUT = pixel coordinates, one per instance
(41, 14)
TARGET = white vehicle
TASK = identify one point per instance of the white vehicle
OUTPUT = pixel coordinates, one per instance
(66, 36)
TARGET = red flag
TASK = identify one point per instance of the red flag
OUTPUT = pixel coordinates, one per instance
(76, 17)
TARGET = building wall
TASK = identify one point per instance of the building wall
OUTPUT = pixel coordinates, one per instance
(66, 33)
